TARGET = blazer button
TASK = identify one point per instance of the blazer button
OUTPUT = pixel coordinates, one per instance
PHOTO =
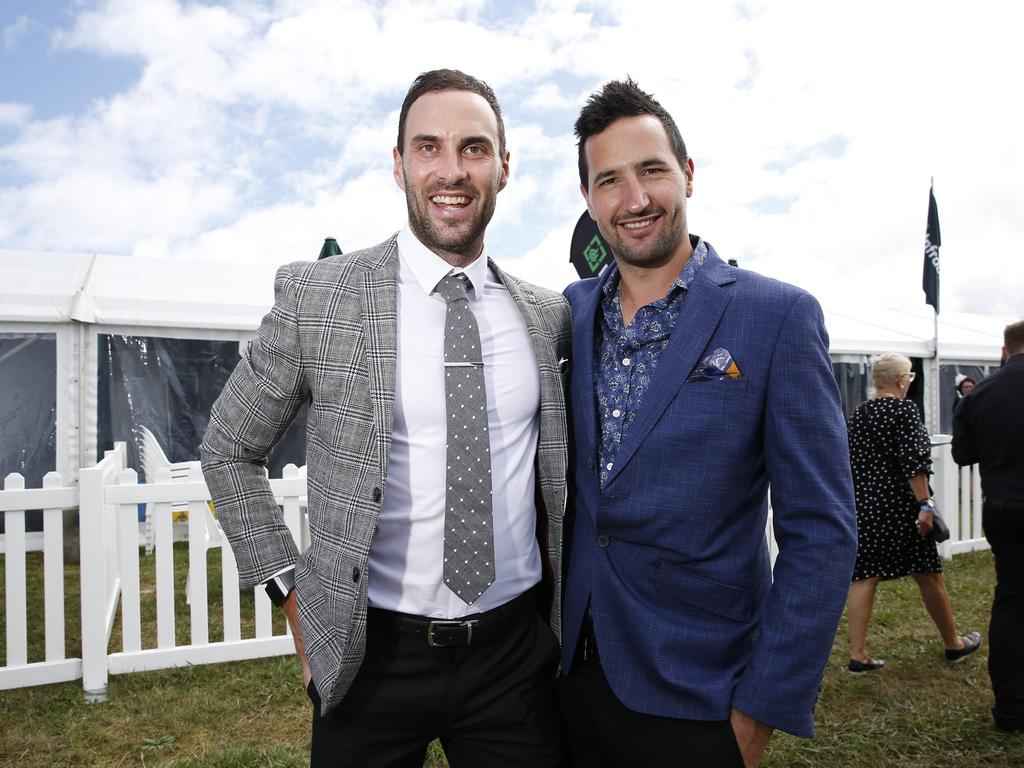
(376, 494)
(356, 574)
(603, 540)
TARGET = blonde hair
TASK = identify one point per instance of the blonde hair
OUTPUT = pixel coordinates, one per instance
(886, 367)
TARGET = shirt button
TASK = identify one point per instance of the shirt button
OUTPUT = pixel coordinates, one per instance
(603, 541)
(616, 413)
(626, 361)
(608, 466)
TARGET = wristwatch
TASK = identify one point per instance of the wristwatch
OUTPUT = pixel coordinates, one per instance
(280, 586)
(926, 505)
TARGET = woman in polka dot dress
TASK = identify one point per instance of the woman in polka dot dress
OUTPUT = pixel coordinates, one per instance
(891, 459)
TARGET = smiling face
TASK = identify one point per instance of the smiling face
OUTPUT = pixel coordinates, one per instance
(451, 170)
(636, 192)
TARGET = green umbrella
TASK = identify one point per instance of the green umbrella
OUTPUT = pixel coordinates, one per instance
(330, 248)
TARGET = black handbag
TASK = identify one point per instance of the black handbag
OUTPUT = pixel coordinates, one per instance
(940, 531)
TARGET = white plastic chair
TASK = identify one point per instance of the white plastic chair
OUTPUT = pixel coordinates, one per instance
(153, 459)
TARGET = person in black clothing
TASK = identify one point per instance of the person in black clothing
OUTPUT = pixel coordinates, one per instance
(988, 429)
(964, 385)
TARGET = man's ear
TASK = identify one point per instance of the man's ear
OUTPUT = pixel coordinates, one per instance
(397, 171)
(586, 199)
(503, 178)
(688, 172)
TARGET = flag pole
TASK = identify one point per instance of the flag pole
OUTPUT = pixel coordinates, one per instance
(935, 421)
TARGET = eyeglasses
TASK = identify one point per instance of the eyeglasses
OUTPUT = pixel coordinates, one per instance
(910, 376)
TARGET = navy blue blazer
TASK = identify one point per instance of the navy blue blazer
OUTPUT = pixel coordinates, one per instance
(671, 553)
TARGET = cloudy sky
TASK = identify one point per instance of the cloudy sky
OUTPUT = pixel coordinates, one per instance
(246, 130)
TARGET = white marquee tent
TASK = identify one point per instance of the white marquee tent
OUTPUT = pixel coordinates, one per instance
(65, 318)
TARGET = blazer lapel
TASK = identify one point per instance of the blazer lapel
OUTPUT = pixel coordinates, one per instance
(531, 316)
(540, 339)
(552, 398)
(702, 309)
(584, 397)
(378, 295)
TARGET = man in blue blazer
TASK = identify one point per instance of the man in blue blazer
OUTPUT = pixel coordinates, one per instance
(695, 387)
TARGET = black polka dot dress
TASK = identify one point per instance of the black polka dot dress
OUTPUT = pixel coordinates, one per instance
(888, 445)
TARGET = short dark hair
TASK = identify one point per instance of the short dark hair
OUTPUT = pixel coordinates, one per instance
(449, 80)
(618, 99)
(1013, 337)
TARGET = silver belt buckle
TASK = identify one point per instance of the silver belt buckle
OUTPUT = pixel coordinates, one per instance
(449, 623)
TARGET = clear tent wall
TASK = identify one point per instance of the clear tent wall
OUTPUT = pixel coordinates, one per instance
(28, 409)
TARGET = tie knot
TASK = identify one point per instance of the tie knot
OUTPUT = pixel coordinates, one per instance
(453, 287)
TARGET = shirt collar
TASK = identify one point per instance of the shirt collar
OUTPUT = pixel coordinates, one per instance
(428, 268)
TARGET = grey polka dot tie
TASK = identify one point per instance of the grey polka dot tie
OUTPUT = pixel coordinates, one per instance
(468, 537)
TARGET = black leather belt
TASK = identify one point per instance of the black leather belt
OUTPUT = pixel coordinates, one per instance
(1011, 505)
(447, 633)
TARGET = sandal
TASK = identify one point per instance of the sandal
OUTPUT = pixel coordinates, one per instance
(972, 642)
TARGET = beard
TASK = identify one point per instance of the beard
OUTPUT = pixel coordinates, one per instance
(653, 252)
(463, 238)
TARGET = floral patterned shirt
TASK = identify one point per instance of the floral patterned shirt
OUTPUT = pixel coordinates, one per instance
(627, 356)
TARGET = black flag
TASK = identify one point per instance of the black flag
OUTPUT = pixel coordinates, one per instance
(932, 241)
(588, 253)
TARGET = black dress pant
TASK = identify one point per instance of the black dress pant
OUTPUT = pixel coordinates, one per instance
(603, 733)
(492, 703)
(1004, 529)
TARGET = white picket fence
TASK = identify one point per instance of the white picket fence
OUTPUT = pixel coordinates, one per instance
(53, 500)
(958, 498)
(108, 499)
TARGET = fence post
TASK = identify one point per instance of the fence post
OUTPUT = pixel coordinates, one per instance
(15, 582)
(53, 568)
(945, 486)
(93, 582)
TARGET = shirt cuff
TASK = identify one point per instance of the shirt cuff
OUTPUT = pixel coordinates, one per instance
(274, 575)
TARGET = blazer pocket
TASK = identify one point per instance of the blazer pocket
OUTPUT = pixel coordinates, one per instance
(319, 632)
(719, 384)
(675, 581)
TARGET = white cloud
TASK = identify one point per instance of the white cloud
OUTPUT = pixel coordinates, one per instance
(14, 32)
(15, 114)
(257, 128)
(546, 96)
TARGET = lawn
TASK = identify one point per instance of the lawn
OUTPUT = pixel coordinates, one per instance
(916, 712)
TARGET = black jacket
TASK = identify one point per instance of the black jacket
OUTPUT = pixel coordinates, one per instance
(988, 429)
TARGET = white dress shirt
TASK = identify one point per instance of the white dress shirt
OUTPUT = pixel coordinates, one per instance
(407, 553)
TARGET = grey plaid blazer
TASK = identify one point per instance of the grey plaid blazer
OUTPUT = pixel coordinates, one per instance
(331, 338)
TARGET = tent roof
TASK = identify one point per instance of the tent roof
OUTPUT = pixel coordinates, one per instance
(118, 290)
(126, 292)
(40, 287)
(868, 330)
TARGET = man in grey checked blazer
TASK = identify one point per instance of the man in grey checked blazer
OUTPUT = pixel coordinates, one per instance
(386, 679)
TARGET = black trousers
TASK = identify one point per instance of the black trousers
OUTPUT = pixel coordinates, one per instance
(1004, 529)
(491, 703)
(604, 733)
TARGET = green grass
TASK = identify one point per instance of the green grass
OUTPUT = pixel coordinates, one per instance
(916, 712)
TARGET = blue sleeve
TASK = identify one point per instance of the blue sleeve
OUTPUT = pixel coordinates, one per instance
(807, 457)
